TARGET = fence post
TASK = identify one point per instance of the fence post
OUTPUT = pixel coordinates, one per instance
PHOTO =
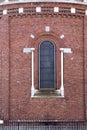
(18, 125)
(1, 124)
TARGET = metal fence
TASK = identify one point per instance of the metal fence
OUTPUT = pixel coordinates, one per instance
(43, 125)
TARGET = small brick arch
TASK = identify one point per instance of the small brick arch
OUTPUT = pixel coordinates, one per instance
(51, 36)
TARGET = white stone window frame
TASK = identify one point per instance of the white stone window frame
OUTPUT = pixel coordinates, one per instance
(61, 90)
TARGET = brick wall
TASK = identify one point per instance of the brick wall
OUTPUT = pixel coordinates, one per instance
(4, 67)
(85, 61)
(15, 66)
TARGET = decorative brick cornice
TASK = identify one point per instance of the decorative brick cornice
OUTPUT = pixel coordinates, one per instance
(37, 11)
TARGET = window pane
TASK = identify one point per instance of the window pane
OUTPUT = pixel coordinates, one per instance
(47, 65)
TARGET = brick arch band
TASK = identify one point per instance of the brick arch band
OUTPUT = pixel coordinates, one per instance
(51, 36)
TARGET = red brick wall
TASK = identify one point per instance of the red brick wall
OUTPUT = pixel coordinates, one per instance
(85, 62)
(15, 66)
(4, 67)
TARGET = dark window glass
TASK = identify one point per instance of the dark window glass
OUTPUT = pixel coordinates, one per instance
(46, 65)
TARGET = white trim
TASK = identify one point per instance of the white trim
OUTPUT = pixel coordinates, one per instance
(85, 12)
(27, 50)
(85, 0)
(73, 10)
(21, 10)
(62, 36)
(47, 28)
(66, 50)
(56, 9)
(4, 11)
(31, 50)
(1, 122)
(32, 36)
(63, 50)
(6, 0)
(32, 87)
(38, 9)
(62, 76)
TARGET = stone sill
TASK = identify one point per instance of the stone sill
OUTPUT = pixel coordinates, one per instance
(47, 97)
(47, 94)
(28, 1)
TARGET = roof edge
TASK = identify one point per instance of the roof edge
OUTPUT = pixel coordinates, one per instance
(41, 1)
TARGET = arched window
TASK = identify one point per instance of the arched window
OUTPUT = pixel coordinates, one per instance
(47, 76)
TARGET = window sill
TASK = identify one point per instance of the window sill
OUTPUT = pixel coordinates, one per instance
(47, 94)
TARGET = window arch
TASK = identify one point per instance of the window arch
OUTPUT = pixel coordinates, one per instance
(47, 76)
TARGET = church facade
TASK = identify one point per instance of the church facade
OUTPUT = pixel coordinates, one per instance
(43, 60)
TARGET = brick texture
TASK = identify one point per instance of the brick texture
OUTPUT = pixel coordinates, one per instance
(4, 67)
(15, 66)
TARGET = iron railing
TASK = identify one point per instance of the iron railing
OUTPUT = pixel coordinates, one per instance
(44, 125)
